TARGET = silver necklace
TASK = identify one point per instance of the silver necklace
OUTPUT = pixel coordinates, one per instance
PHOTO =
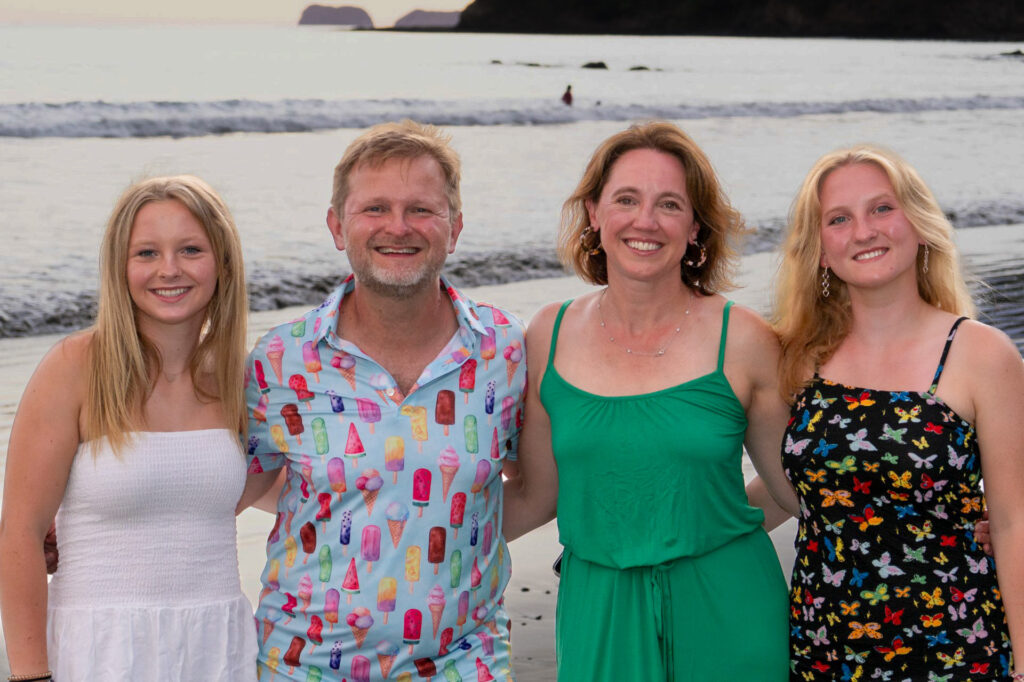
(656, 354)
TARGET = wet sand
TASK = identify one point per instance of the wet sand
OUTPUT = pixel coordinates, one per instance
(990, 253)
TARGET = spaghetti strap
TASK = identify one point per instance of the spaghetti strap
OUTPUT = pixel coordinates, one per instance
(945, 351)
(721, 342)
(554, 332)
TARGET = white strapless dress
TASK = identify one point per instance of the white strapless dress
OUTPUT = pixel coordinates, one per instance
(147, 589)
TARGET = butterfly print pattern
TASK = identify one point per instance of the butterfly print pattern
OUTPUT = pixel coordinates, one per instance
(889, 583)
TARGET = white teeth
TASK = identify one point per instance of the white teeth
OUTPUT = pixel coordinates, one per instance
(869, 254)
(406, 250)
(642, 246)
(170, 293)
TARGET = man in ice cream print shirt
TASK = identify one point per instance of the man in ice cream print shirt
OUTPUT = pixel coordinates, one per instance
(392, 407)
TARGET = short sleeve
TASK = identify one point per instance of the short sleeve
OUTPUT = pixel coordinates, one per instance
(262, 454)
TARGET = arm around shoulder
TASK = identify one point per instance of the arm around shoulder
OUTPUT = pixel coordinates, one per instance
(531, 497)
(757, 352)
(997, 389)
(44, 439)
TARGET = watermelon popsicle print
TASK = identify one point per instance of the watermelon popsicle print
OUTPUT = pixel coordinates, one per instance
(467, 378)
(421, 489)
(458, 512)
(350, 585)
(501, 322)
(261, 379)
(354, 445)
(412, 627)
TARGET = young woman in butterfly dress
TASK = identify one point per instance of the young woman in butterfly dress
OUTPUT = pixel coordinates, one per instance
(901, 402)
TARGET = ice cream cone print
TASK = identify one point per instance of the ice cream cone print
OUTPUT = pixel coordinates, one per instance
(360, 635)
(510, 370)
(275, 351)
(396, 528)
(436, 611)
(385, 664)
(370, 498)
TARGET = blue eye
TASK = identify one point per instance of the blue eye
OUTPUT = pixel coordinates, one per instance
(884, 208)
(192, 250)
(838, 220)
(146, 253)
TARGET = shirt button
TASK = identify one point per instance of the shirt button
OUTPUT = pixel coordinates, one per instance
(390, 392)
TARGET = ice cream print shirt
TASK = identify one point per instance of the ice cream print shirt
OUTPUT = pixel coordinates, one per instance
(386, 559)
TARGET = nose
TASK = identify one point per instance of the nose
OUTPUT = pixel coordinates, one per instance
(644, 216)
(863, 229)
(170, 268)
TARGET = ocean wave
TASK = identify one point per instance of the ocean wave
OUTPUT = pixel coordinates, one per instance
(34, 310)
(193, 119)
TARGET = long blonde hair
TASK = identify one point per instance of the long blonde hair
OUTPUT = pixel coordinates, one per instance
(810, 326)
(721, 226)
(122, 362)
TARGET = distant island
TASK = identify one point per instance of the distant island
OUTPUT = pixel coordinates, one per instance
(906, 19)
(335, 16)
(419, 18)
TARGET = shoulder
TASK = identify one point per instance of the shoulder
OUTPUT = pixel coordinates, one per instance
(70, 357)
(493, 316)
(748, 331)
(989, 350)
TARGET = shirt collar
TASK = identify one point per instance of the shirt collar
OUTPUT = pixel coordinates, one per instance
(324, 317)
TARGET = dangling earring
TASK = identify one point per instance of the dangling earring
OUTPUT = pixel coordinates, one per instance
(585, 237)
(824, 283)
(924, 266)
(700, 261)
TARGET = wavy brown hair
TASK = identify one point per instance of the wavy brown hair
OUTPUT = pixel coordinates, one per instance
(122, 361)
(810, 326)
(720, 225)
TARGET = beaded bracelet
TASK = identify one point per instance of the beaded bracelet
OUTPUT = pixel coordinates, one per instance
(1017, 677)
(35, 677)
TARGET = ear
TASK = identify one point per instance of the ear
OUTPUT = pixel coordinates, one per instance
(334, 225)
(456, 231)
(694, 231)
(823, 261)
(592, 214)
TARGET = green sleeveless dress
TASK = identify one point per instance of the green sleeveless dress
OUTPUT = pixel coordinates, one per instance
(667, 574)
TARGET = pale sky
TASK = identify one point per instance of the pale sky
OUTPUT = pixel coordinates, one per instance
(383, 12)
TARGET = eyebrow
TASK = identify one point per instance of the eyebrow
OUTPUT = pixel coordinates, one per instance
(677, 195)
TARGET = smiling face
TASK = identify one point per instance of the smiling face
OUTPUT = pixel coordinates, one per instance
(171, 269)
(644, 215)
(866, 239)
(396, 227)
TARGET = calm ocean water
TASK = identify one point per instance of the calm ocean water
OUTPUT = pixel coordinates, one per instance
(264, 114)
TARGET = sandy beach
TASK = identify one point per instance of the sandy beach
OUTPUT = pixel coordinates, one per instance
(531, 594)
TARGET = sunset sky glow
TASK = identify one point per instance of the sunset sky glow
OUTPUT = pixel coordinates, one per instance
(383, 12)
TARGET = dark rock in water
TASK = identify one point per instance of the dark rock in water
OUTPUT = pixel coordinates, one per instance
(640, 68)
(495, 61)
(904, 19)
(1013, 53)
(335, 16)
(419, 18)
(595, 65)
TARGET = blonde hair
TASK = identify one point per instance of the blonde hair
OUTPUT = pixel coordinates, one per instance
(122, 361)
(405, 140)
(720, 225)
(810, 326)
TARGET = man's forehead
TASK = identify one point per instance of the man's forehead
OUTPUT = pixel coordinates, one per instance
(404, 176)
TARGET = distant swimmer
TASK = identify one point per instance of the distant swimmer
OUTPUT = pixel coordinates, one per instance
(567, 96)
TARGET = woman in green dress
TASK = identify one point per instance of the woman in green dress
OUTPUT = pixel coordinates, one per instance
(642, 395)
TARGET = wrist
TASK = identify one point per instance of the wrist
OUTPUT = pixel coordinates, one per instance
(31, 677)
(1017, 676)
